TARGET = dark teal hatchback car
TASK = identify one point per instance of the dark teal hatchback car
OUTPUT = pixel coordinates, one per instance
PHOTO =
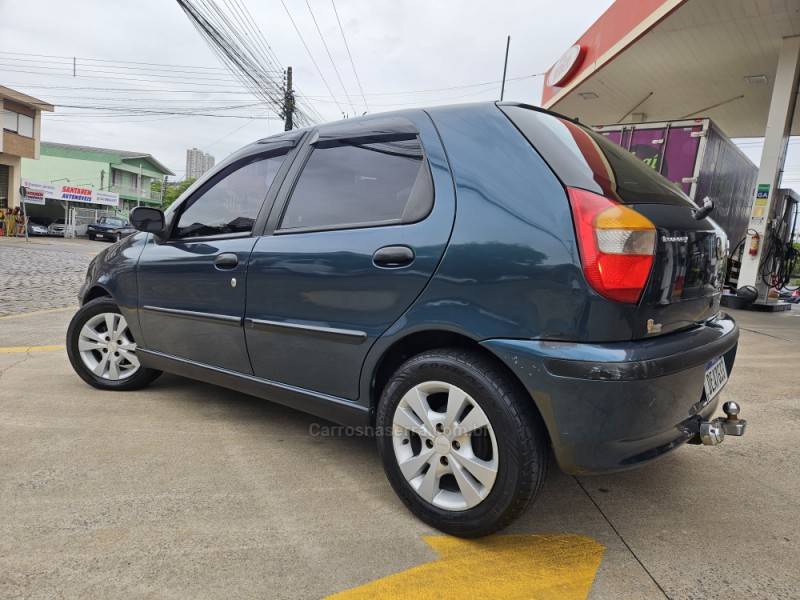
(476, 284)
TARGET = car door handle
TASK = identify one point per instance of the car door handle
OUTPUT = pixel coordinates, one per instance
(392, 257)
(227, 260)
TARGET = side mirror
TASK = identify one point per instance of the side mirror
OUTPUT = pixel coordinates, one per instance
(148, 219)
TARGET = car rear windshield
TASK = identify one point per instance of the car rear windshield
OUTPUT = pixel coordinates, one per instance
(585, 159)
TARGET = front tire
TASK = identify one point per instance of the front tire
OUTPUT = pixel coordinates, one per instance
(102, 350)
(461, 442)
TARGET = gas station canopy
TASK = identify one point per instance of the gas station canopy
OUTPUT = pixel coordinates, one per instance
(654, 60)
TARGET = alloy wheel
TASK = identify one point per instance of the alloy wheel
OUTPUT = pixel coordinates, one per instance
(445, 445)
(107, 348)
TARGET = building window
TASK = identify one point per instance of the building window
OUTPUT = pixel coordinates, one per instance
(18, 123)
(25, 125)
(10, 120)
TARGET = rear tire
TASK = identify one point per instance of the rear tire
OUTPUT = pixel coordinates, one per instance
(481, 481)
(102, 350)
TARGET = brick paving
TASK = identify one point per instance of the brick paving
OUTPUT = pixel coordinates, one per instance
(42, 273)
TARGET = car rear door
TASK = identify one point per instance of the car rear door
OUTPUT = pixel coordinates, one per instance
(359, 227)
(192, 285)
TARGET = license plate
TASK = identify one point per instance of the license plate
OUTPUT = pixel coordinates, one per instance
(716, 377)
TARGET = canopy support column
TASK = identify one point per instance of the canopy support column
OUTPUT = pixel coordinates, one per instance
(773, 157)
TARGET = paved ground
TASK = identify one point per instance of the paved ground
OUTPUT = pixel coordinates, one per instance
(43, 272)
(186, 490)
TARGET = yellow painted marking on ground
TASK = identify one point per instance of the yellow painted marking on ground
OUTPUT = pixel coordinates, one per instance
(561, 566)
(24, 349)
(33, 313)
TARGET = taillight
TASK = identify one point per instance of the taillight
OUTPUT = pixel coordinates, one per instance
(616, 243)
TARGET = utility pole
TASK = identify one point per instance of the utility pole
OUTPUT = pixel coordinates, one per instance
(139, 186)
(288, 101)
(505, 67)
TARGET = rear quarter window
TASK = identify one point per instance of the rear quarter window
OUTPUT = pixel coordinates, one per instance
(585, 159)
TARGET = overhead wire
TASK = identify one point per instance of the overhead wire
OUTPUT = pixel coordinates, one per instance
(105, 60)
(220, 36)
(311, 56)
(350, 56)
(235, 41)
(330, 57)
(315, 97)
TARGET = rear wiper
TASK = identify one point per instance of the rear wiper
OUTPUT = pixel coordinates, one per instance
(702, 212)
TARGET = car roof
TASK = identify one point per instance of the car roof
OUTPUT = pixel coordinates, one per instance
(364, 121)
(362, 124)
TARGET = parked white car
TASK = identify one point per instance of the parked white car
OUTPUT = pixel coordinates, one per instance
(57, 227)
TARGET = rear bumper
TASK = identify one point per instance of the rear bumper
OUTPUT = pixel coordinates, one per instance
(614, 406)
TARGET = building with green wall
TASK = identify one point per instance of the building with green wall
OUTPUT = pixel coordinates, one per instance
(129, 174)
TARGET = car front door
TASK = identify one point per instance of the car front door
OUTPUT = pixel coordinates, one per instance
(192, 285)
(352, 240)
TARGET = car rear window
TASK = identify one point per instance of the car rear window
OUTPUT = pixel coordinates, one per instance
(361, 185)
(583, 158)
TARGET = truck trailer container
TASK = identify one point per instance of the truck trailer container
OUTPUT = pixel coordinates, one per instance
(697, 156)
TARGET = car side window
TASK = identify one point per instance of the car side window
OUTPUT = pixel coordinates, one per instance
(361, 185)
(231, 204)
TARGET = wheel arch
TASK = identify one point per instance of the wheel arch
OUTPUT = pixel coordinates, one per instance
(96, 291)
(430, 339)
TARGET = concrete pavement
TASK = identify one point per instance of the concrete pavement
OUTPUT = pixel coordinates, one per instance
(189, 490)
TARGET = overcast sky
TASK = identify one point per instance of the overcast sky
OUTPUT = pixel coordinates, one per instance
(400, 48)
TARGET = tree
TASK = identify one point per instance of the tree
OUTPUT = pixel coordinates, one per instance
(172, 191)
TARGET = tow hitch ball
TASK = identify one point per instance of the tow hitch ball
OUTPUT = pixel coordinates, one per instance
(713, 432)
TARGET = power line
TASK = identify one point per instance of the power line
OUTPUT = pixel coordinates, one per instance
(104, 77)
(105, 60)
(330, 57)
(454, 87)
(352, 63)
(311, 56)
(190, 77)
(227, 42)
(226, 136)
(370, 94)
(139, 89)
(236, 40)
(140, 110)
(118, 68)
(59, 98)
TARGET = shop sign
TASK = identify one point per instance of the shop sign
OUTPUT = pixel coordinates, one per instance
(72, 193)
(36, 191)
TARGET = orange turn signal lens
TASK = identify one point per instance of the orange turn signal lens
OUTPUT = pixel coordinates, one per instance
(616, 245)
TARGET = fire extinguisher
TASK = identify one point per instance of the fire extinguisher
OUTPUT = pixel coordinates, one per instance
(755, 240)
